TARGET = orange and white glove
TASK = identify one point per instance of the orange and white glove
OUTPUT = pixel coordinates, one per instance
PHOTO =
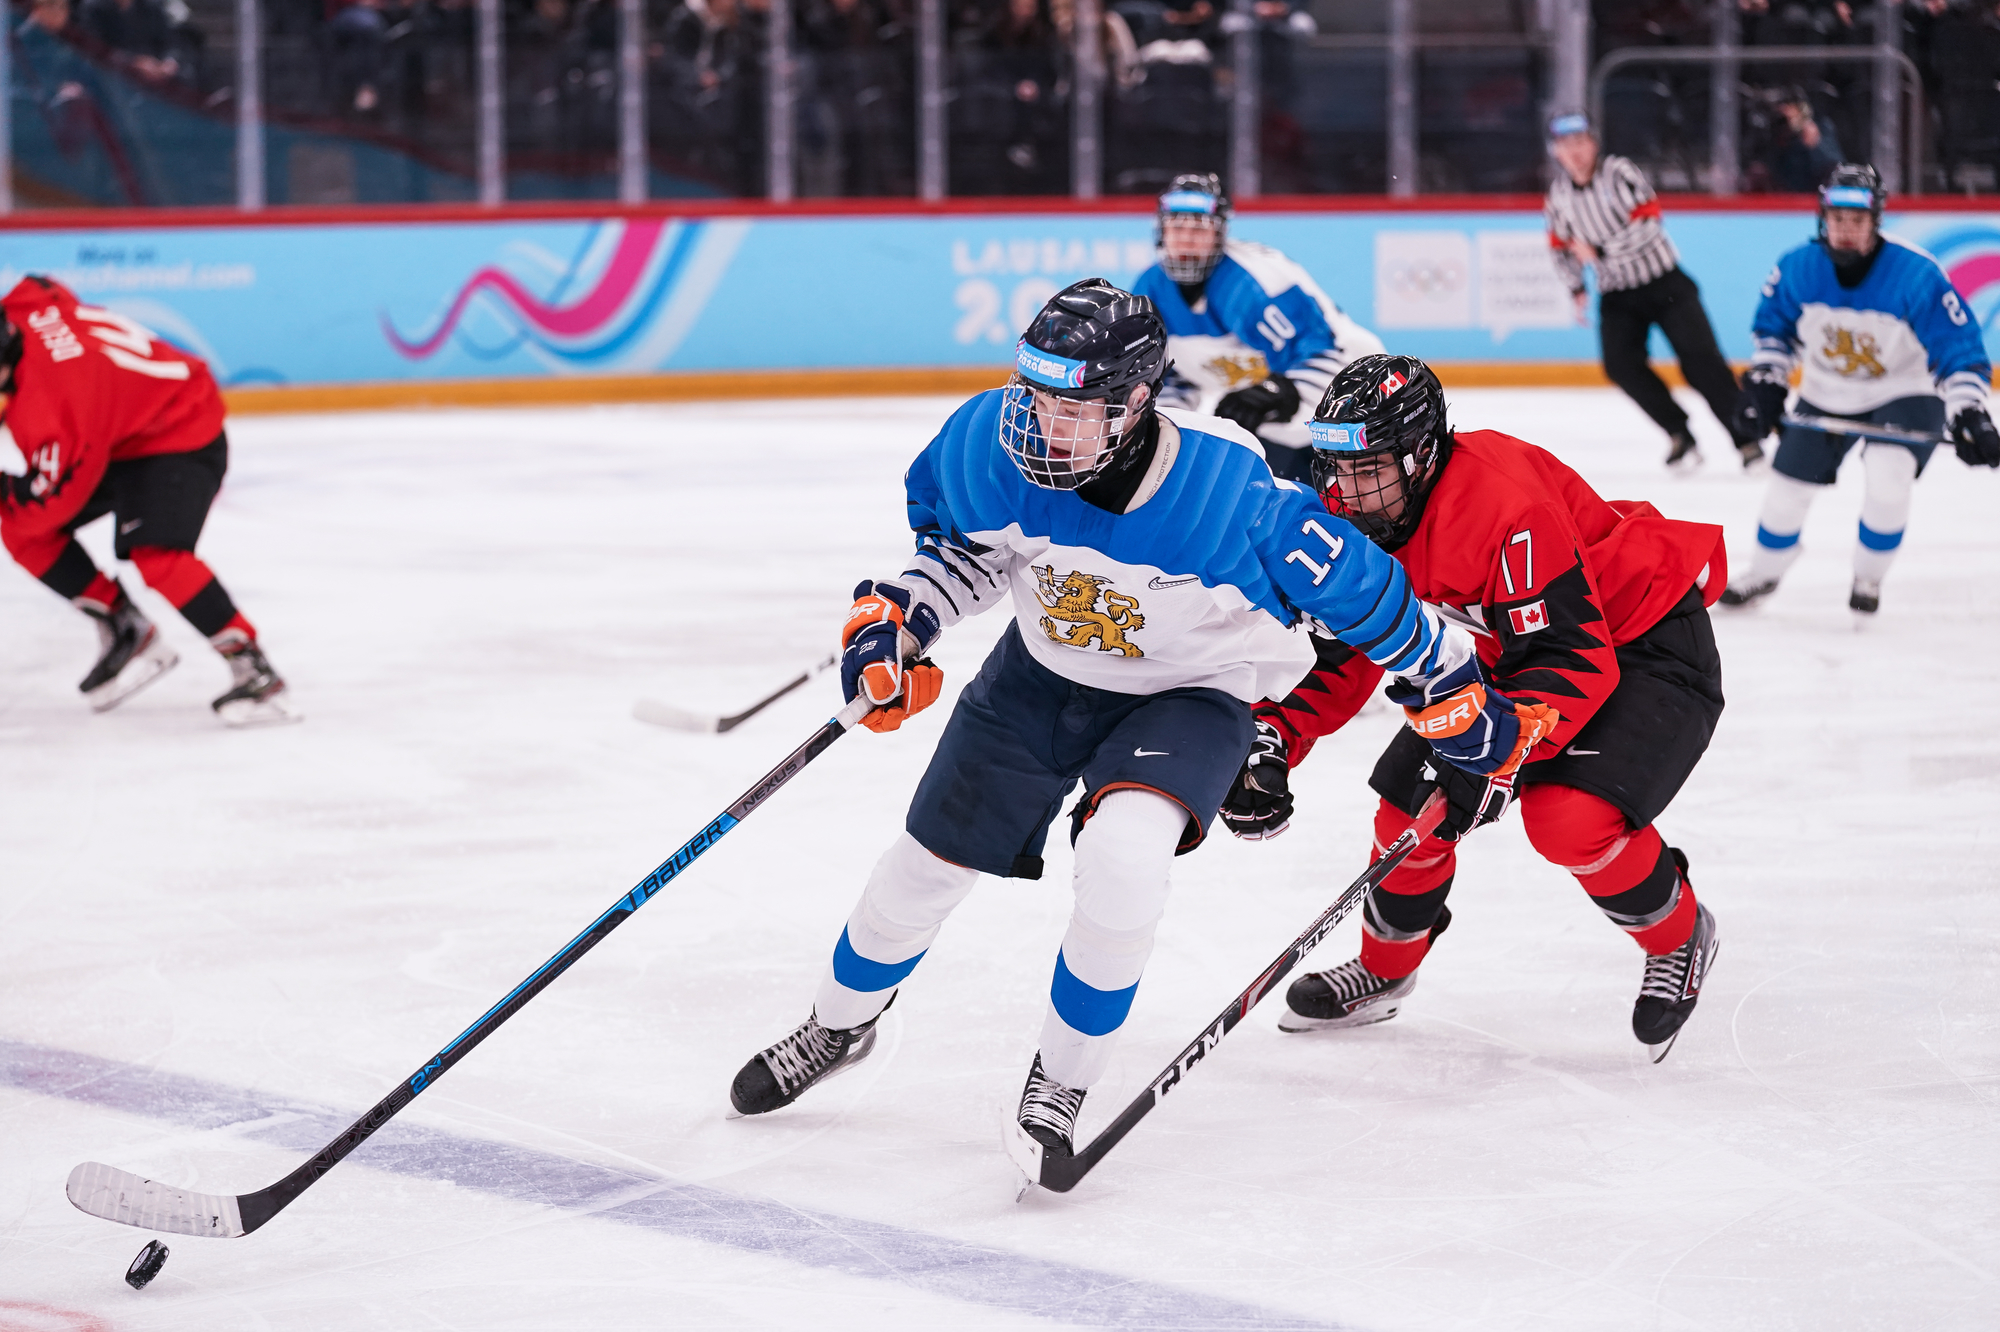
(881, 656)
(1481, 731)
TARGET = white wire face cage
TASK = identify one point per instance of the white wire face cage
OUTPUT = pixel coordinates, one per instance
(1192, 269)
(1059, 443)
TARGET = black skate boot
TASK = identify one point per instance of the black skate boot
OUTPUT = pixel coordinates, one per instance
(1683, 453)
(1048, 1111)
(256, 694)
(1866, 598)
(1752, 453)
(806, 1058)
(131, 655)
(1672, 983)
(1738, 595)
(1350, 995)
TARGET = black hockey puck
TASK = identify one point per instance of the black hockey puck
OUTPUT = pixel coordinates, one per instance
(147, 1265)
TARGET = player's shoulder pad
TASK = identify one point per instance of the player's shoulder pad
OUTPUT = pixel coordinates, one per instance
(1150, 281)
(1274, 272)
(1913, 263)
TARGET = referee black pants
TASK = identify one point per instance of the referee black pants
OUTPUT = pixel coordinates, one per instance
(1671, 300)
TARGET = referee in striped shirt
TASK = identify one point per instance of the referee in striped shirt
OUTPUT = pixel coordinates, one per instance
(1602, 210)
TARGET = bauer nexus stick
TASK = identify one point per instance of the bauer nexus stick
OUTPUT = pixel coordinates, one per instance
(1834, 425)
(119, 1195)
(666, 714)
(1061, 1173)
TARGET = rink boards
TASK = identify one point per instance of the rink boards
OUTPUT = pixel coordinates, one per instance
(514, 300)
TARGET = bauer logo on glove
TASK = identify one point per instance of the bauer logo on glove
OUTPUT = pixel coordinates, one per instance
(1483, 732)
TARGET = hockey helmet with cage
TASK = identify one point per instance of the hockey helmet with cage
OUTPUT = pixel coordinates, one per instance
(1194, 202)
(1852, 185)
(1379, 440)
(1070, 404)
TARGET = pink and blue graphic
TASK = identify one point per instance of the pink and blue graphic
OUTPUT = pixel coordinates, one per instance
(624, 299)
(1971, 259)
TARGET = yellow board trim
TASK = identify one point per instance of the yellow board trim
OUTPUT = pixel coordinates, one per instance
(724, 385)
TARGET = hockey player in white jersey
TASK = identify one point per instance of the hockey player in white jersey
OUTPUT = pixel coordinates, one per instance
(1884, 340)
(1158, 575)
(1251, 336)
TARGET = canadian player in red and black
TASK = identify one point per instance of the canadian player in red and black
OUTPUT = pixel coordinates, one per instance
(113, 420)
(1602, 688)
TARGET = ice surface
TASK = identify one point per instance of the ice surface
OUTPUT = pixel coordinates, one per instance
(216, 947)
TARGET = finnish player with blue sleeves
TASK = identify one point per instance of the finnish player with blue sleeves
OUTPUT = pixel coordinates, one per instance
(1251, 337)
(1161, 580)
(1881, 339)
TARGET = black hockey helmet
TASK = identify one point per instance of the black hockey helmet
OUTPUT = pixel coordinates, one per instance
(1070, 402)
(1379, 440)
(1852, 185)
(1193, 198)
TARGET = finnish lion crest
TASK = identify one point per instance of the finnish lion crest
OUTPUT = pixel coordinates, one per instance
(1240, 371)
(1073, 598)
(1855, 353)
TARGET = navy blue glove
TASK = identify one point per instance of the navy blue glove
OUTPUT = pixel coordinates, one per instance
(1973, 435)
(876, 661)
(1471, 725)
(1761, 409)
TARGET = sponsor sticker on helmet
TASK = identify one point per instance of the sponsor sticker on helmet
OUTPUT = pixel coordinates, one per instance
(1187, 201)
(1047, 367)
(1339, 436)
(1847, 196)
(1574, 123)
(1393, 382)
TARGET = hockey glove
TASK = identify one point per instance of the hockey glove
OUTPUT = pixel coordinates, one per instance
(1761, 407)
(880, 657)
(1259, 806)
(1276, 399)
(1478, 730)
(1973, 435)
(1470, 802)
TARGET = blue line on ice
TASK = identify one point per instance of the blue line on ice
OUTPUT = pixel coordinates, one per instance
(935, 1264)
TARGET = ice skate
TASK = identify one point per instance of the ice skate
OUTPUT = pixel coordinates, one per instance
(809, 1056)
(1350, 995)
(1866, 598)
(1752, 454)
(1739, 595)
(256, 696)
(1043, 1125)
(1672, 983)
(1683, 454)
(132, 655)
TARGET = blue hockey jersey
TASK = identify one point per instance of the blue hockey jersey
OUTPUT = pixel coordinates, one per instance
(1260, 314)
(1904, 331)
(1207, 579)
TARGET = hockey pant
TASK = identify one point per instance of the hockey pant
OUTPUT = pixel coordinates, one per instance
(1631, 876)
(1122, 859)
(161, 504)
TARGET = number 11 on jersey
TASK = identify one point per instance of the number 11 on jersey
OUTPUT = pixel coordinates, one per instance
(1333, 548)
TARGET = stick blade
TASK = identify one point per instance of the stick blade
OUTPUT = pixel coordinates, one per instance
(131, 1200)
(653, 711)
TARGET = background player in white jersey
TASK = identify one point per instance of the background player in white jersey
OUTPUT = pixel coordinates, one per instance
(1884, 339)
(1251, 336)
(1156, 572)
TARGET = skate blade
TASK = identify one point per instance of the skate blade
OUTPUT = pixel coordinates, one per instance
(1025, 1153)
(154, 661)
(1296, 1022)
(1668, 1048)
(273, 711)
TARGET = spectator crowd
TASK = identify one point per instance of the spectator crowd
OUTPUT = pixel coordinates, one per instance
(402, 74)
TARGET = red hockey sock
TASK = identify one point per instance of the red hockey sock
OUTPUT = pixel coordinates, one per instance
(1630, 875)
(100, 596)
(181, 577)
(234, 635)
(1396, 923)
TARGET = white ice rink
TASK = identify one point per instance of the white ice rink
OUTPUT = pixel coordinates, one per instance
(217, 947)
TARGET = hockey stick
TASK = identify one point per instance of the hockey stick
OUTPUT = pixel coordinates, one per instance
(1061, 1174)
(1834, 425)
(121, 1196)
(666, 714)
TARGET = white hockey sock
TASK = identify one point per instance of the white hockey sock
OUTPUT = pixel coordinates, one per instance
(906, 900)
(1122, 862)
(1778, 528)
(1891, 471)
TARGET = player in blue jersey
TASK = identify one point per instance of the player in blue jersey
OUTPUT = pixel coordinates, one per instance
(1160, 578)
(1885, 341)
(1251, 336)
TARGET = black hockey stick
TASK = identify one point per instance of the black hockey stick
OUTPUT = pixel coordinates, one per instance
(1062, 1173)
(119, 1195)
(666, 714)
(1835, 425)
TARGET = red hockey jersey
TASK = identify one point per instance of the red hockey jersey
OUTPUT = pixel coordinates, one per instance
(93, 388)
(1549, 577)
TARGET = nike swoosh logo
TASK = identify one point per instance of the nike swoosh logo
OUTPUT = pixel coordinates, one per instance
(1582, 753)
(132, 526)
(1162, 584)
(1151, 753)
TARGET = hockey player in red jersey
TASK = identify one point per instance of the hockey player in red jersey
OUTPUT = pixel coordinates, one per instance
(112, 420)
(1592, 623)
